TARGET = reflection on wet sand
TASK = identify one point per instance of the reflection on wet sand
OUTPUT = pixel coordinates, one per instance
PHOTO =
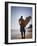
(16, 34)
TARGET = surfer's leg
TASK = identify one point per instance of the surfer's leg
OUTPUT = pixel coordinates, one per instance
(22, 35)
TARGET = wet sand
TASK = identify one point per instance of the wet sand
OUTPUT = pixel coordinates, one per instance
(17, 34)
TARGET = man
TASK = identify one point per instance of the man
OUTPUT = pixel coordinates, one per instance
(22, 28)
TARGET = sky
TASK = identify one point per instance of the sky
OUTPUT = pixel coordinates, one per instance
(16, 13)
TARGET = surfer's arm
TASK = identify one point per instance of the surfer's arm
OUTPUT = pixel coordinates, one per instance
(19, 21)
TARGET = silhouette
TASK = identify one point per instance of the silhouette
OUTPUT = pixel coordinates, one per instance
(23, 24)
(22, 28)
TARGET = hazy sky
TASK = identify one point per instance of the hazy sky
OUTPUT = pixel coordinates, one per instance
(16, 12)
